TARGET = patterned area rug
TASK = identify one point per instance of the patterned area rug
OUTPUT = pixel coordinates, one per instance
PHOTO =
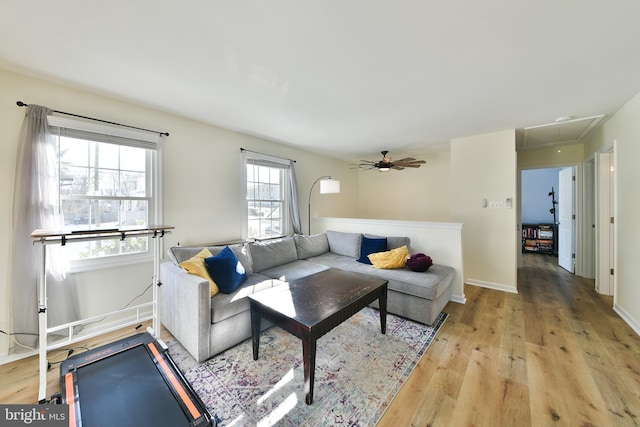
(358, 373)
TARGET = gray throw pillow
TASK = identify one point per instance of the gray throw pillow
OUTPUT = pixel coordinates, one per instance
(308, 246)
(271, 253)
(347, 244)
(393, 242)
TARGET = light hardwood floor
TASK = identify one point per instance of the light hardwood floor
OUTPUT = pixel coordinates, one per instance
(553, 354)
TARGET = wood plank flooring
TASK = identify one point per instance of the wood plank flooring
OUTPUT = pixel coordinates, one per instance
(555, 354)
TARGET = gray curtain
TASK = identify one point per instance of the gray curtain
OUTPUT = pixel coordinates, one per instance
(295, 206)
(36, 205)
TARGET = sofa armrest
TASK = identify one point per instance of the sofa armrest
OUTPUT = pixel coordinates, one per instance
(185, 308)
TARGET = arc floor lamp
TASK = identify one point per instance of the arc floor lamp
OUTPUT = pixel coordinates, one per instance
(327, 186)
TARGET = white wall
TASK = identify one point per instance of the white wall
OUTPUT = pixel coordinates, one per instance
(202, 181)
(411, 194)
(484, 167)
(624, 128)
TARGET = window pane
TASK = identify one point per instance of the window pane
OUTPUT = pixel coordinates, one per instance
(76, 214)
(135, 212)
(74, 152)
(104, 182)
(133, 159)
(133, 184)
(263, 174)
(274, 192)
(74, 180)
(104, 155)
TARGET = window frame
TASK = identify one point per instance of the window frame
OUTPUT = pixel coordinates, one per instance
(152, 143)
(285, 169)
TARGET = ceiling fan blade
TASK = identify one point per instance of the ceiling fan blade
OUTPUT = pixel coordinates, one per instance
(396, 167)
(367, 166)
(406, 159)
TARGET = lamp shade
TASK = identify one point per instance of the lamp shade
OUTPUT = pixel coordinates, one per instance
(329, 186)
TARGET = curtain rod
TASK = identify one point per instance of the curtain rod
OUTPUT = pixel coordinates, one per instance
(22, 104)
(264, 154)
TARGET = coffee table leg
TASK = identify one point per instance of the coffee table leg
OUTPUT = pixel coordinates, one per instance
(309, 362)
(255, 328)
(382, 302)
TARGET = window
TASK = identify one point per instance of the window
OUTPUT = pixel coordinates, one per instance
(267, 201)
(108, 180)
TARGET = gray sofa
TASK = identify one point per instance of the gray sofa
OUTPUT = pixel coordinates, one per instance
(207, 325)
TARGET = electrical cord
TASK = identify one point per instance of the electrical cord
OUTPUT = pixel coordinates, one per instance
(70, 350)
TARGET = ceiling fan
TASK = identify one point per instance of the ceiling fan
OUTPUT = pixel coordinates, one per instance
(385, 164)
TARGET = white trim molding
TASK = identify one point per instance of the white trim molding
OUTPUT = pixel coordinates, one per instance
(627, 318)
(491, 285)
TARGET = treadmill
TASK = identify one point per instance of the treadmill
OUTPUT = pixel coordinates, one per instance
(130, 382)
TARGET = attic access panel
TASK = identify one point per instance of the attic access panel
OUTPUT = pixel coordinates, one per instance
(558, 133)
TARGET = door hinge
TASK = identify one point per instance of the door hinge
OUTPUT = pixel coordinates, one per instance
(573, 177)
(573, 217)
(573, 256)
(611, 271)
(611, 220)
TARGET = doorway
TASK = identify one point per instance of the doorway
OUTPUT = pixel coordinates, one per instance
(548, 202)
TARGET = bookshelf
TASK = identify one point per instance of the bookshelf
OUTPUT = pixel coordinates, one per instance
(538, 238)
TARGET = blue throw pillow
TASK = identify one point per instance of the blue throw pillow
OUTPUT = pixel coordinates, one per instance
(371, 246)
(226, 270)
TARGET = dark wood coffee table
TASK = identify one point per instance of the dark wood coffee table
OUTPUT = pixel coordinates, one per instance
(312, 306)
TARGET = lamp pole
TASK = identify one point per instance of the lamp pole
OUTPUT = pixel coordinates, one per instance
(311, 191)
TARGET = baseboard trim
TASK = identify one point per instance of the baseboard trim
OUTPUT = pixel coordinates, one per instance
(627, 318)
(460, 299)
(491, 285)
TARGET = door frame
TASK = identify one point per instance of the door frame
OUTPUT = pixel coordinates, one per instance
(605, 230)
(579, 225)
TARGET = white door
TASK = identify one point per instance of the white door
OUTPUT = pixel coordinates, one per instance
(566, 220)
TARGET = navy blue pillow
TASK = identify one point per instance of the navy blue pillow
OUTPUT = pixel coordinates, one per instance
(371, 246)
(226, 270)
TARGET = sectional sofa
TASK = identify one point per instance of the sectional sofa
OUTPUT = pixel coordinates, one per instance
(207, 325)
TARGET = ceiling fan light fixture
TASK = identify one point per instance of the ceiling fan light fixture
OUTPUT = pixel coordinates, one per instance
(383, 169)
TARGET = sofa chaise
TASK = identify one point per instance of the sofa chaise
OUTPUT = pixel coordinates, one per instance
(206, 325)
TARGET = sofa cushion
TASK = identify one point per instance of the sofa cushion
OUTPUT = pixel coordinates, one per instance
(224, 306)
(271, 253)
(196, 265)
(392, 241)
(371, 246)
(226, 270)
(347, 244)
(395, 258)
(294, 270)
(430, 284)
(308, 246)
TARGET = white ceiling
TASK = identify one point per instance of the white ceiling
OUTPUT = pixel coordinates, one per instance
(345, 78)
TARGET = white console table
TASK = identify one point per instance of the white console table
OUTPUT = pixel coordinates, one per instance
(48, 237)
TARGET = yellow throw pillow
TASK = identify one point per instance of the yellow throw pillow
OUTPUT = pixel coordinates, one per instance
(197, 266)
(395, 258)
